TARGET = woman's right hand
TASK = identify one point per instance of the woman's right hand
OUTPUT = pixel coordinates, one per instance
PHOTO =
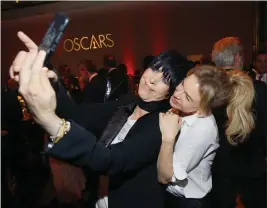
(34, 85)
(170, 124)
(16, 66)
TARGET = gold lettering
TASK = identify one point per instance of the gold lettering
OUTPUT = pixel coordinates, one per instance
(68, 50)
(81, 43)
(76, 43)
(108, 37)
(101, 40)
(94, 42)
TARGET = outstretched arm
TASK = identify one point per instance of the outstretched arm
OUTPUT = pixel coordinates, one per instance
(79, 146)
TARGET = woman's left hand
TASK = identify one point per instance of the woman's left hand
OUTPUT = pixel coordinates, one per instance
(170, 124)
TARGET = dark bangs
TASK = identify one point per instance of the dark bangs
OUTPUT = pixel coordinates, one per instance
(174, 67)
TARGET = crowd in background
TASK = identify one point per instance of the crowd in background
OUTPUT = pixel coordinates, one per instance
(30, 179)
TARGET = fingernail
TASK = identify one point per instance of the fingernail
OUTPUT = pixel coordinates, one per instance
(16, 68)
(42, 52)
(16, 78)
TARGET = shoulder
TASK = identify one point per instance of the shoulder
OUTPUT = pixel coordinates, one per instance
(148, 125)
(152, 118)
(260, 90)
(98, 77)
(147, 128)
(205, 127)
(112, 72)
(259, 84)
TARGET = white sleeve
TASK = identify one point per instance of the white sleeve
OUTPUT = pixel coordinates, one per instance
(191, 150)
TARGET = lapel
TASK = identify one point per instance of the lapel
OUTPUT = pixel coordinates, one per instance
(115, 124)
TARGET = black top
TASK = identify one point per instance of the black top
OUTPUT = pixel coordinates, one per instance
(130, 164)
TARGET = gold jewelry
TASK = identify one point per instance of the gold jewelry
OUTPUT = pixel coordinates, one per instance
(62, 131)
(26, 115)
(62, 121)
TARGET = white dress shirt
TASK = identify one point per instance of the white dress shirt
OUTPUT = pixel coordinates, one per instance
(193, 156)
(262, 77)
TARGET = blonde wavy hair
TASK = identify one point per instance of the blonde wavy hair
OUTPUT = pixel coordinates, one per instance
(234, 89)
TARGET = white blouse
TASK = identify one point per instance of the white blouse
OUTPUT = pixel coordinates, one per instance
(193, 155)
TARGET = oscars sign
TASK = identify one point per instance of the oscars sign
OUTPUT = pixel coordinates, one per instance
(89, 43)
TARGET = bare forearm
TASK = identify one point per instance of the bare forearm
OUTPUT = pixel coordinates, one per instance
(165, 160)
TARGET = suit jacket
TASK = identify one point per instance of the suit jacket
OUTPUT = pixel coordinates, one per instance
(247, 159)
(130, 164)
(94, 91)
(119, 84)
(253, 74)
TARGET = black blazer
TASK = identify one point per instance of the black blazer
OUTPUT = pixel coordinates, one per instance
(95, 90)
(119, 84)
(247, 159)
(130, 164)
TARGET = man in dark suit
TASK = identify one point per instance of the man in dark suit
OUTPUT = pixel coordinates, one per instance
(239, 169)
(70, 82)
(259, 67)
(116, 79)
(110, 63)
(94, 91)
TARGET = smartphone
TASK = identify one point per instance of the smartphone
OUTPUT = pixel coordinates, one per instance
(53, 36)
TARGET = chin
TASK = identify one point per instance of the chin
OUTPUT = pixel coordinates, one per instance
(171, 103)
(176, 107)
(145, 96)
(142, 94)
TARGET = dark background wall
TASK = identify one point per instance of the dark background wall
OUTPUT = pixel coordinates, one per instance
(262, 21)
(138, 29)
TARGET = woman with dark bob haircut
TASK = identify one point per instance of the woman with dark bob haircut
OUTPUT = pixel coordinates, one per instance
(130, 138)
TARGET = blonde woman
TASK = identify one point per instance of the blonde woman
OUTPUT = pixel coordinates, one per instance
(185, 166)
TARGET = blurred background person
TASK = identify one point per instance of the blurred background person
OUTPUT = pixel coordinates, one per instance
(259, 70)
(239, 170)
(95, 89)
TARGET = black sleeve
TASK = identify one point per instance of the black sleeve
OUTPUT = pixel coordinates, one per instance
(93, 117)
(79, 147)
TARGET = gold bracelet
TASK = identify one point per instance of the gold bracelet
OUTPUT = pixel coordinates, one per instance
(61, 130)
(58, 131)
(64, 130)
